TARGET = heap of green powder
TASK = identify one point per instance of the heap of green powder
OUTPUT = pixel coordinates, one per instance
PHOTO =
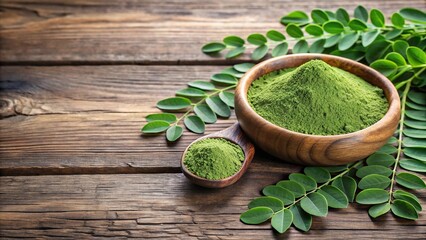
(214, 158)
(318, 99)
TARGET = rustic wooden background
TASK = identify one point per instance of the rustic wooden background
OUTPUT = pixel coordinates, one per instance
(77, 79)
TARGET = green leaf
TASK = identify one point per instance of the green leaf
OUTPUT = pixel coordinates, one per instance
(315, 204)
(391, 140)
(378, 210)
(294, 30)
(336, 169)
(377, 18)
(385, 67)
(416, 56)
(417, 97)
(228, 98)
(410, 181)
(346, 185)
(280, 49)
(317, 46)
(377, 169)
(376, 50)
(274, 35)
(393, 34)
(218, 106)
(301, 219)
(374, 181)
(194, 124)
(319, 16)
(342, 16)
(397, 20)
(416, 153)
(357, 25)
(234, 41)
(369, 37)
(333, 27)
(235, 52)
(224, 78)
(413, 165)
(414, 15)
(168, 117)
(415, 106)
(335, 197)
(348, 41)
(387, 148)
(400, 46)
(174, 103)
(191, 92)
(414, 124)
(413, 142)
(174, 133)
(314, 30)
(331, 41)
(256, 215)
(203, 85)
(397, 58)
(243, 67)
(259, 52)
(307, 182)
(417, 115)
(414, 40)
(213, 47)
(284, 195)
(382, 159)
(319, 174)
(415, 133)
(155, 126)
(361, 13)
(301, 47)
(232, 71)
(404, 209)
(296, 17)
(271, 202)
(406, 193)
(205, 113)
(294, 187)
(282, 220)
(257, 39)
(412, 200)
(372, 196)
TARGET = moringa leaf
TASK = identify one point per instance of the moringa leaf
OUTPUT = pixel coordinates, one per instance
(228, 98)
(256, 215)
(376, 50)
(335, 169)
(414, 142)
(387, 148)
(413, 165)
(347, 185)
(191, 92)
(233, 72)
(205, 113)
(301, 47)
(374, 169)
(415, 124)
(274, 35)
(294, 30)
(348, 41)
(284, 195)
(374, 181)
(307, 182)
(385, 67)
(218, 106)
(412, 200)
(296, 17)
(392, 140)
(361, 13)
(257, 39)
(319, 174)
(331, 41)
(243, 67)
(317, 46)
(342, 16)
(369, 37)
(319, 16)
(416, 153)
(382, 159)
(235, 52)
(397, 58)
(224, 78)
(415, 133)
(416, 56)
(174, 133)
(333, 27)
(259, 52)
(168, 117)
(400, 46)
(271, 202)
(357, 25)
(415, 106)
(294, 187)
(155, 126)
(301, 219)
(281, 221)
(377, 18)
(315, 204)
(213, 47)
(372, 196)
(174, 103)
(404, 209)
(194, 124)
(203, 85)
(393, 34)
(417, 97)
(378, 210)
(413, 15)
(314, 30)
(398, 20)
(280, 49)
(234, 41)
(335, 197)
(410, 181)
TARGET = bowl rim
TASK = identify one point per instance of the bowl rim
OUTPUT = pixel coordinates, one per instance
(247, 80)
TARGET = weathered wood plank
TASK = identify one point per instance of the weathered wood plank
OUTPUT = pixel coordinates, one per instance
(166, 206)
(70, 32)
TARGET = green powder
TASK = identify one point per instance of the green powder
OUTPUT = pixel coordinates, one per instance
(318, 99)
(214, 158)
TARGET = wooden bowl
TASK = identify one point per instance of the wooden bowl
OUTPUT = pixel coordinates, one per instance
(315, 149)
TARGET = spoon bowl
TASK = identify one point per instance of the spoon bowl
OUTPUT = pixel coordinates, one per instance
(233, 134)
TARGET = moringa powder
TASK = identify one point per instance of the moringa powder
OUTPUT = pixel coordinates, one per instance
(318, 99)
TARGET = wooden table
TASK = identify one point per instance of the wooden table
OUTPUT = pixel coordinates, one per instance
(77, 79)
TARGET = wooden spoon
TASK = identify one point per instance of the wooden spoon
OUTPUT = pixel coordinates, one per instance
(235, 135)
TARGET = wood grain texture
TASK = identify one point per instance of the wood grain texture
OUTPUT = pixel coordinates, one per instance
(166, 206)
(315, 149)
(147, 32)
